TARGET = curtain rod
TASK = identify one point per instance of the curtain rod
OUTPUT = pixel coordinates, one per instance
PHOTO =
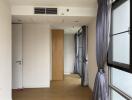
(80, 30)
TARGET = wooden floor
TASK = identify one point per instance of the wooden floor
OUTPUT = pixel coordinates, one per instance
(69, 89)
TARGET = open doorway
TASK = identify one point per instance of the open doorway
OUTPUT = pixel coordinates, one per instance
(63, 54)
(69, 55)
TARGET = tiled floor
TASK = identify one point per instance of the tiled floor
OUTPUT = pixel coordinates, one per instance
(69, 89)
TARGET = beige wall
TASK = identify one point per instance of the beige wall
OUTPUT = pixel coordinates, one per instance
(92, 65)
(5, 51)
(36, 54)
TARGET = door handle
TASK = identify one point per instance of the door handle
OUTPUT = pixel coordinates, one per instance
(19, 62)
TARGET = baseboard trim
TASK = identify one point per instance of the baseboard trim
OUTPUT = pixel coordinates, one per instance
(67, 73)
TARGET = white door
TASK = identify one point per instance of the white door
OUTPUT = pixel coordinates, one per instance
(17, 69)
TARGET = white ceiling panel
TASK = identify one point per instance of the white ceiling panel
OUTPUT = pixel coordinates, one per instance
(70, 24)
(53, 20)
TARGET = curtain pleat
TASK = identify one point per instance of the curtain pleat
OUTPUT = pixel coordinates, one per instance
(84, 56)
(81, 59)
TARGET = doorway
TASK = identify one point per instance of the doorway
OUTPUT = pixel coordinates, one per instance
(63, 55)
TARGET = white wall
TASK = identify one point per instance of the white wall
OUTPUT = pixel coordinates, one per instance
(36, 54)
(69, 53)
(92, 65)
(5, 51)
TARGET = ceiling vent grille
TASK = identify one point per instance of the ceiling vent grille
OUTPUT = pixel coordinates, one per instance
(51, 10)
(40, 10)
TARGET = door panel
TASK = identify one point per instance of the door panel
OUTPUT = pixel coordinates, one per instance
(57, 54)
(17, 56)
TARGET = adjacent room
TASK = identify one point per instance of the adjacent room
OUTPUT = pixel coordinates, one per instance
(47, 60)
(65, 50)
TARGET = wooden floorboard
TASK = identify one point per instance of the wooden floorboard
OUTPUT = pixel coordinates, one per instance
(69, 89)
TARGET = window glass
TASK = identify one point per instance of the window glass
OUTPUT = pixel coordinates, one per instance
(122, 80)
(121, 18)
(116, 96)
(119, 55)
(121, 48)
(119, 52)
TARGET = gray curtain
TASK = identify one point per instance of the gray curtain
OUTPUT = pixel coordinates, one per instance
(77, 68)
(81, 62)
(84, 56)
(100, 91)
(78, 53)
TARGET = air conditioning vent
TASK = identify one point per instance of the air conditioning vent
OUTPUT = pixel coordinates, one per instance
(39, 10)
(51, 10)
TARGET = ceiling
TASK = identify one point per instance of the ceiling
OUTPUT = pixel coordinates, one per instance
(63, 20)
(69, 23)
(68, 3)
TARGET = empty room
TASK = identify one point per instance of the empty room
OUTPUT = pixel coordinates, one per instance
(65, 50)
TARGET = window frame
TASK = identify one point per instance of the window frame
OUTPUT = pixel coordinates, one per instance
(114, 88)
(118, 65)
